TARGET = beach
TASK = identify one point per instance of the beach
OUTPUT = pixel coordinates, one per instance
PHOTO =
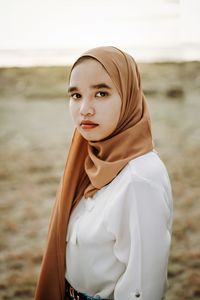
(35, 134)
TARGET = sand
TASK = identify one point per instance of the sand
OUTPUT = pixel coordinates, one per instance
(35, 132)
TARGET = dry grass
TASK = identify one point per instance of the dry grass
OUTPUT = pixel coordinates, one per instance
(35, 131)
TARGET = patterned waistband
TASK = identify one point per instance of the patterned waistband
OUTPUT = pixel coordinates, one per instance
(72, 294)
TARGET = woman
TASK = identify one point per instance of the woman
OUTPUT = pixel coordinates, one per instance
(110, 231)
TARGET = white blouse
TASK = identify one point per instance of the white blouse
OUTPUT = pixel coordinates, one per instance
(118, 241)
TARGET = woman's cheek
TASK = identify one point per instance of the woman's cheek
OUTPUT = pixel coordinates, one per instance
(72, 109)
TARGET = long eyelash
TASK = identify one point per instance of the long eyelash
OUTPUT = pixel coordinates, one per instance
(106, 93)
(75, 94)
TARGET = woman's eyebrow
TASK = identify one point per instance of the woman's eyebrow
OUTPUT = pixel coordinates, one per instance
(72, 89)
(100, 85)
(95, 86)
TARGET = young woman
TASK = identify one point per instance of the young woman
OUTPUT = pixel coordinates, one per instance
(110, 231)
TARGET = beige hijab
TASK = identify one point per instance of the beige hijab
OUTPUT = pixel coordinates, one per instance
(92, 165)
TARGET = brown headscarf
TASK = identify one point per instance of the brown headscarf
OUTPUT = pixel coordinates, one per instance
(92, 165)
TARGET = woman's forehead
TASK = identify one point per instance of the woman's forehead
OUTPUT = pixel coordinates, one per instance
(89, 70)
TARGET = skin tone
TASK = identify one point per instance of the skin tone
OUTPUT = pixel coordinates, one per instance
(93, 98)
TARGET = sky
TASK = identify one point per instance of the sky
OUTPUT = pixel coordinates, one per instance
(46, 30)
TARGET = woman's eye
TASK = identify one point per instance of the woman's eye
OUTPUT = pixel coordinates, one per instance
(75, 96)
(101, 94)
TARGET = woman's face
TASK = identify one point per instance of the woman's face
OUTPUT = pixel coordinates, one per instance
(95, 104)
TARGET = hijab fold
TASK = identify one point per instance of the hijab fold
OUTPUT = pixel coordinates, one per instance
(92, 165)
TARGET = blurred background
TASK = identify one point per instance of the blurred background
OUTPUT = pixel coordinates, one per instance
(39, 41)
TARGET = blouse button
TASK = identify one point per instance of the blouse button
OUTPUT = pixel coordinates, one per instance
(137, 294)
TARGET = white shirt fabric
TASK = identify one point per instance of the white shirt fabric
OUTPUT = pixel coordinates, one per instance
(118, 241)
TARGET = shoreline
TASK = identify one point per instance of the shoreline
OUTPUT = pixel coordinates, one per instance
(60, 57)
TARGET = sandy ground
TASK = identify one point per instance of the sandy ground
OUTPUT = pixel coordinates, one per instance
(35, 132)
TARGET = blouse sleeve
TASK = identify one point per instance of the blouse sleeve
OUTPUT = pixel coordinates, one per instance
(142, 228)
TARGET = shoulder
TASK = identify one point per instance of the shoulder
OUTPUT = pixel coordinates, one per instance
(144, 177)
(149, 168)
(141, 190)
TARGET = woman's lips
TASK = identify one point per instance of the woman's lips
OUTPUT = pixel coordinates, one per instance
(88, 124)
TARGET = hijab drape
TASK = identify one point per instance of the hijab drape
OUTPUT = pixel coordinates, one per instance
(92, 165)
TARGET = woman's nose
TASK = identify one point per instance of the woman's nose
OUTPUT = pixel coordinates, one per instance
(86, 108)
